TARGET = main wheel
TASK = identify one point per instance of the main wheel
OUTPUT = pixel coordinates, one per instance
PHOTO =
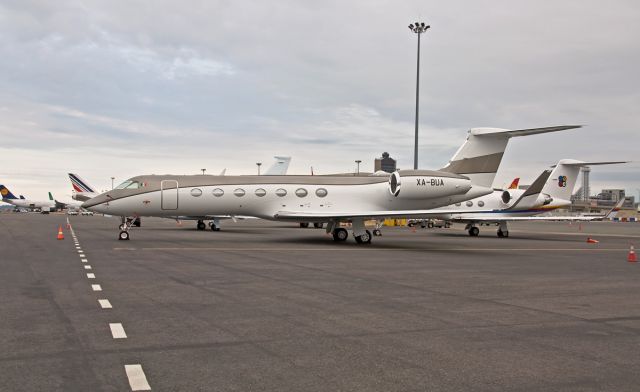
(474, 231)
(318, 225)
(340, 234)
(201, 225)
(364, 238)
(123, 236)
(304, 225)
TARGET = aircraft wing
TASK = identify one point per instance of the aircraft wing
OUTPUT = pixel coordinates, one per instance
(330, 215)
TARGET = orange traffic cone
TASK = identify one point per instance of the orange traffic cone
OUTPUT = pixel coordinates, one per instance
(632, 258)
(591, 241)
(60, 233)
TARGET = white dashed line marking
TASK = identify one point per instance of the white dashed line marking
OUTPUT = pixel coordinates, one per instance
(96, 287)
(82, 255)
(87, 267)
(83, 260)
(91, 276)
(105, 304)
(117, 331)
(137, 379)
(80, 251)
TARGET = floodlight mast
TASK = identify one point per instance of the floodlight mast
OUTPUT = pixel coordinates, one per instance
(418, 28)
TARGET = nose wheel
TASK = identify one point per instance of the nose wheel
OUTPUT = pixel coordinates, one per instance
(123, 236)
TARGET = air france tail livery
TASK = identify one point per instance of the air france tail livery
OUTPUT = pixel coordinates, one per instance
(332, 199)
(82, 191)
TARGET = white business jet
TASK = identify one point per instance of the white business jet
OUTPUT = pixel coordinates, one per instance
(332, 198)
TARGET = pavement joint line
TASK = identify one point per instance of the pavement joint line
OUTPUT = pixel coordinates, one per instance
(96, 287)
(117, 331)
(91, 276)
(105, 304)
(87, 267)
(137, 379)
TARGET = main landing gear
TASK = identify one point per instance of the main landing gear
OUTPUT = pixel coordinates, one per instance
(473, 231)
(503, 230)
(214, 225)
(360, 234)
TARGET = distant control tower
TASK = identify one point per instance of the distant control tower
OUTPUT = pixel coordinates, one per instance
(586, 189)
(385, 163)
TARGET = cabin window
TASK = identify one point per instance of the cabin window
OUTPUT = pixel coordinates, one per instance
(239, 192)
(481, 203)
(321, 192)
(301, 192)
(469, 203)
(218, 192)
(196, 192)
(281, 192)
(260, 192)
(458, 204)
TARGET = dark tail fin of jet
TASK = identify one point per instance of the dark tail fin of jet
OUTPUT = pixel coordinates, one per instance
(6, 193)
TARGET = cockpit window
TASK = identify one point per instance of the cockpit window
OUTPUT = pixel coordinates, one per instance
(129, 185)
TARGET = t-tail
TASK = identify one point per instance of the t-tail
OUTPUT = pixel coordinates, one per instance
(82, 191)
(480, 156)
(564, 177)
(6, 193)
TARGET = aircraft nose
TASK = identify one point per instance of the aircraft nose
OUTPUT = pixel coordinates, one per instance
(100, 199)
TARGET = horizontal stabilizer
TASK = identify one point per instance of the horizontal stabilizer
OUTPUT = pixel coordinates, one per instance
(567, 162)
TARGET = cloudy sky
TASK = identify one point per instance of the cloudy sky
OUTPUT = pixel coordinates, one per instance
(121, 88)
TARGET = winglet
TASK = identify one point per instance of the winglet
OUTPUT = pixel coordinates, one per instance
(514, 183)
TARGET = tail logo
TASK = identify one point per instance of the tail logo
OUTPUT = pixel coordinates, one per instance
(562, 181)
(4, 191)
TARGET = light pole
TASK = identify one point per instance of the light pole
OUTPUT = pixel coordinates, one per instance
(258, 164)
(358, 167)
(203, 170)
(112, 178)
(418, 28)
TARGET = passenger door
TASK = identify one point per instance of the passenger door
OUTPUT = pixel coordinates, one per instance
(169, 194)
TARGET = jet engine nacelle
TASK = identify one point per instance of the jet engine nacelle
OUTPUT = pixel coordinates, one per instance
(544, 199)
(416, 185)
(506, 197)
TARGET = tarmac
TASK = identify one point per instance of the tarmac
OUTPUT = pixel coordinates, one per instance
(264, 306)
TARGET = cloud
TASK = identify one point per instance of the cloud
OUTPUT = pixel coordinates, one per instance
(123, 88)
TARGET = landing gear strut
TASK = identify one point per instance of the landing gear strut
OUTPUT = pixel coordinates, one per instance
(503, 231)
(125, 226)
